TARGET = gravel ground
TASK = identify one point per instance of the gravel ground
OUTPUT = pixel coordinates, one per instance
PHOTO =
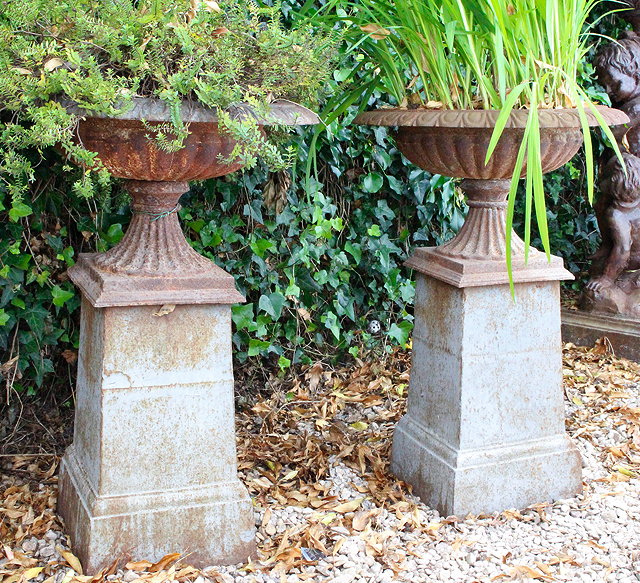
(593, 538)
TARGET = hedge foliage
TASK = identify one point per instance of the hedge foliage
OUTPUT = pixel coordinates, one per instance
(320, 261)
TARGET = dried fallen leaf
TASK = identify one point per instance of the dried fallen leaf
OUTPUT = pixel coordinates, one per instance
(139, 566)
(71, 356)
(211, 6)
(351, 506)
(53, 64)
(375, 31)
(32, 573)
(361, 520)
(359, 425)
(164, 310)
(220, 32)
(164, 562)
(73, 561)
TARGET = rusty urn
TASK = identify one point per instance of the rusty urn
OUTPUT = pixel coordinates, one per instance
(153, 468)
(484, 429)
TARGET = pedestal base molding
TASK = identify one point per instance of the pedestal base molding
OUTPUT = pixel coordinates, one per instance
(461, 272)
(209, 525)
(209, 285)
(484, 480)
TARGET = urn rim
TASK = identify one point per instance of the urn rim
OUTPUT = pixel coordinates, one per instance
(486, 118)
(153, 109)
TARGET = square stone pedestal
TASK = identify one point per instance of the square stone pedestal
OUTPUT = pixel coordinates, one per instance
(152, 468)
(484, 430)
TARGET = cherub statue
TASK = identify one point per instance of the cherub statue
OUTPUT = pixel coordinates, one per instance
(618, 68)
(614, 286)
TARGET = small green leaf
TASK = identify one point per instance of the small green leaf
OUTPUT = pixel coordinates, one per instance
(242, 316)
(331, 322)
(341, 75)
(60, 296)
(373, 182)
(400, 332)
(374, 231)
(114, 234)
(19, 210)
(67, 256)
(261, 246)
(4, 317)
(284, 363)
(359, 425)
(257, 346)
(18, 303)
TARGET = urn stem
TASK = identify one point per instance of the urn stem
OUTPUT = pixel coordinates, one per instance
(154, 243)
(484, 234)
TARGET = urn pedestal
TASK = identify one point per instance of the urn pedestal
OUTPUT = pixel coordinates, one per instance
(484, 429)
(152, 469)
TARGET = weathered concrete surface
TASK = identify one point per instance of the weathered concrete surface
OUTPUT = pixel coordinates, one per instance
(585, 328)
(485, 424)
(152, 469)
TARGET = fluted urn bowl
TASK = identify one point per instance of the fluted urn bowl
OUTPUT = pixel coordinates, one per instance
(455, 143)
(154, 263)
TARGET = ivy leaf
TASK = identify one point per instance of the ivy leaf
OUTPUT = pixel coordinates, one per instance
(18, 211)
(401, 332)
(114, 234)
(4, 317)
(354, 250)
(36, 316)
(242, 316)
(272, 304)
(67, 256)
(277, 301)
(284, 363)
(260, 247)
(373, 182)
(331, 322)
(341, 74)
(257, 346)
(60, 296)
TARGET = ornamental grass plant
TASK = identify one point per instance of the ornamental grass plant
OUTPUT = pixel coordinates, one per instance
(480, 54)
(102, 54)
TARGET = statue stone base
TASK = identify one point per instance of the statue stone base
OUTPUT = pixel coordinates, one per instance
(621, 298)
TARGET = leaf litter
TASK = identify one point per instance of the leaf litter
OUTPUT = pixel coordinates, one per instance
(314, 455)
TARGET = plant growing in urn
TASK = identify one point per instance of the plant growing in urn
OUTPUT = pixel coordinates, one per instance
(487, 91)
(151, 91)
(158, 93)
